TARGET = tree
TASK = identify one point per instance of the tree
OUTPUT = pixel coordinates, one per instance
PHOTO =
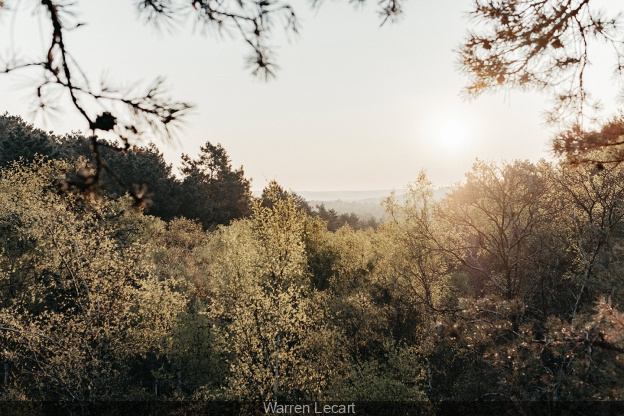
(550, 359)
(279, 193)
(552, 337)
(81, 307)
(417, 264)
(378, 356)
(138, 169)
(279, 340)
(542, 45)
(593, 226)
(601, 147)
(494, 225)
(212, 191)
(145, 171)
(21, 140)
(330, 216)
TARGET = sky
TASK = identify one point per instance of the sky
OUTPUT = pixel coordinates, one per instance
(355, 106)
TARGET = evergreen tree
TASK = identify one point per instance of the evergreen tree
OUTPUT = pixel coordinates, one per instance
(212, 192)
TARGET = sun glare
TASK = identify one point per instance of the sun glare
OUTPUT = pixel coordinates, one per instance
(451, 135)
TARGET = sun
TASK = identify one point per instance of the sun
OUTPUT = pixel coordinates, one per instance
(451, 135)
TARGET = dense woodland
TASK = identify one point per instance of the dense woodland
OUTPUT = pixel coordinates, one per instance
(510, 287)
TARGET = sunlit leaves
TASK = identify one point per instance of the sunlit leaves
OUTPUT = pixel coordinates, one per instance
(494, 223)
(271, 320)
(600, 148)
(85, 303)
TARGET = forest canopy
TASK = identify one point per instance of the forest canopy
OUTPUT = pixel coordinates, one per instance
(509, 287)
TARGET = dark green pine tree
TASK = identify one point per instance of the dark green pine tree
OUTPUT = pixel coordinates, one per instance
(212, 192)
(19, 139)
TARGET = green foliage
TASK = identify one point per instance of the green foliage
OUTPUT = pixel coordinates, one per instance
(19, 140)
(508, 288)
(211, 191)
(496, 222)
(81, 303)
(417, 264)
(396, 376)
(592, 225)
(145, 171)
(278, 338)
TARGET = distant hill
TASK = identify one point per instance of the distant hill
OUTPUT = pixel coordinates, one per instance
(348, 196)
(364, 209)
(365, 204)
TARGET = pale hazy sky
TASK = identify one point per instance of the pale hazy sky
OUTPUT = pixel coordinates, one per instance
(355, 106)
